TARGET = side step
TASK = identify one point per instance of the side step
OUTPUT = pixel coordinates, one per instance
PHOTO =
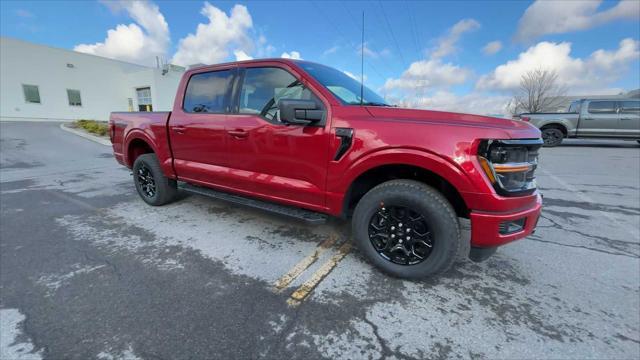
(308, 216)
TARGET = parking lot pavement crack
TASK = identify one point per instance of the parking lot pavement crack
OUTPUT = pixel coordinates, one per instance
(279, 344)
(620, 245)
(535, 238)
(620, 209)
(387, 352)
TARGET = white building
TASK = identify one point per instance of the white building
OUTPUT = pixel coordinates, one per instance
(41, 82)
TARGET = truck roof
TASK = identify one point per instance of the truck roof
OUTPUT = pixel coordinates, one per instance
(253, 61)
(607, 99)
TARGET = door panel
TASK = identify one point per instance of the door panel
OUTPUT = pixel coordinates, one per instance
(197, 131)
(630, 118)
(268, 157)
(280, 161)
(599, 119)
(198, 143)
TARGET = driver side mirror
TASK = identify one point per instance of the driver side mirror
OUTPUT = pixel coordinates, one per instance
(299, 112)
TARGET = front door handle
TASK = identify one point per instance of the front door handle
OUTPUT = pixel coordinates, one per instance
(238, 133)
(179, 129)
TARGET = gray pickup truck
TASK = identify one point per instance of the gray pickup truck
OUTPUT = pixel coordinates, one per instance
(601, 118)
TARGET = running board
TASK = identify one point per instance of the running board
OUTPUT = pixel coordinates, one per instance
(308, 216)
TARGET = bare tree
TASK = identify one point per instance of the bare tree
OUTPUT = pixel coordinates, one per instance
(539, 91)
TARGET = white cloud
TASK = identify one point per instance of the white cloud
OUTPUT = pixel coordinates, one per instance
(596, 72)
(139, 42)
(447, 44)
(428, 74)
(425, 82)
(330, 50)
(492, 47)
(369, 52)
(292, 55)
(556, 17)
(212, 41)
(241, 55)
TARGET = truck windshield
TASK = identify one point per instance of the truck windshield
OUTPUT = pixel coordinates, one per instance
(342, 85)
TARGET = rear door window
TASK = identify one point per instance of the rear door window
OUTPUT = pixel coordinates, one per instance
(630, 107)
(208, 92)
(602, 107)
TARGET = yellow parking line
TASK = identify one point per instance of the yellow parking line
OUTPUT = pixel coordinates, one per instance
(305, 289)
(303, 264)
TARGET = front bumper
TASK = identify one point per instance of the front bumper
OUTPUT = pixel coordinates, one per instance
(485, 226)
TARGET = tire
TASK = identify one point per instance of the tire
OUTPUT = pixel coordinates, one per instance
(147, 167)
(552, 136)
(423, 201)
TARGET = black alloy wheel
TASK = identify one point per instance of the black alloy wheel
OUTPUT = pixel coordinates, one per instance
(407, 229)
(400, 235)
(151, 183)
(144, 177)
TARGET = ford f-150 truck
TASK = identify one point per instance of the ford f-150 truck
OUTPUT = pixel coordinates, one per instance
(306, 140)
(601, 118)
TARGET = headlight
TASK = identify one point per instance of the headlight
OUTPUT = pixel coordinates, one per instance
(510, 164)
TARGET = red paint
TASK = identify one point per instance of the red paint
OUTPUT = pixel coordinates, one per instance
(294, 164)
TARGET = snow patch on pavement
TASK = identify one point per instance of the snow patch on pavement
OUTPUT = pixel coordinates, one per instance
(14, 345)
(245, 241)
(127, 354)
(55, 281)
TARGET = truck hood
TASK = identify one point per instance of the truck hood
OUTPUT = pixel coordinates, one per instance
(514, 128)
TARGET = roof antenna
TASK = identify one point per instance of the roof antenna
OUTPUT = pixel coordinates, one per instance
(362, 63)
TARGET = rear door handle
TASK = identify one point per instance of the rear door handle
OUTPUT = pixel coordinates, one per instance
(179, 129)
(238, 133)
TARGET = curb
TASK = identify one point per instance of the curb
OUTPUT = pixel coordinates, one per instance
(82, 134)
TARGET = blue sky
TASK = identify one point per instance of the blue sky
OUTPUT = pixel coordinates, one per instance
(420, 53)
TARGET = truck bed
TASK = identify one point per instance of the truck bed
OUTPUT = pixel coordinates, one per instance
(126, 127)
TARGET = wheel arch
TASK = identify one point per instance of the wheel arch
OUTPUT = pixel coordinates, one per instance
(136, 145)
(415, 165)
(558, 125)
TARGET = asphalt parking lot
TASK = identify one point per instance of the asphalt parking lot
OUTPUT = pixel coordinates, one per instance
(87, 270)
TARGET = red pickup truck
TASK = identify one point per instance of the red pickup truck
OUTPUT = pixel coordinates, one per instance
(305, 140)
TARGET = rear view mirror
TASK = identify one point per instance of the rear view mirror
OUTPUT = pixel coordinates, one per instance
(299, 112)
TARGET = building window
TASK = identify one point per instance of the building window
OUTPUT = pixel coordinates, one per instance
(144, 99)
(31, 94)
(74, 97)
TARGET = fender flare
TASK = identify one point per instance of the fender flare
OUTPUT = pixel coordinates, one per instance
(136, 134)
(434, 163)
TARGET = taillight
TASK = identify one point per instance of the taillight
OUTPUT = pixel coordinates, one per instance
(112, 131)
(525, 118)
(510, 164)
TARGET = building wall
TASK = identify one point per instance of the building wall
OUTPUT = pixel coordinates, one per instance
(105, 85)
